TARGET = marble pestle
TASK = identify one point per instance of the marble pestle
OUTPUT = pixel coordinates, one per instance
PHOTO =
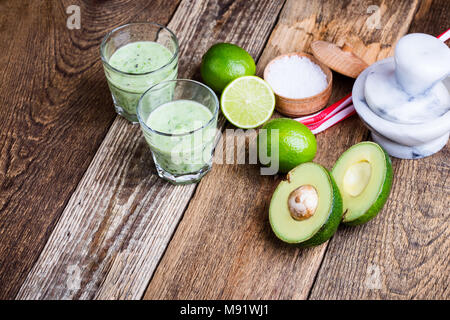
(404, 100)
(421, 61)
(411, 90)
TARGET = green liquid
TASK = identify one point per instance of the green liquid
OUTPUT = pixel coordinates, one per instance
(138, 58)
(187, 153)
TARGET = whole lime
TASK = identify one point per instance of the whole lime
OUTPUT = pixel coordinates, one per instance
(223, 63)
(293, 141)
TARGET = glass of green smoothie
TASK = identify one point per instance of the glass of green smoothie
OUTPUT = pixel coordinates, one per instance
(135, 57)
(179, 122)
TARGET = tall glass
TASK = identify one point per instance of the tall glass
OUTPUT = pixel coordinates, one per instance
(179, 122)
(128, 80)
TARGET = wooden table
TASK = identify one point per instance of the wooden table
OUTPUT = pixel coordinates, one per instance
(84, 216)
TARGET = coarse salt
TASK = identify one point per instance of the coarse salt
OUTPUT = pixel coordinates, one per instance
(296, 77)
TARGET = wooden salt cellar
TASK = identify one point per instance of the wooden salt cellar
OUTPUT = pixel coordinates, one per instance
(298, 107)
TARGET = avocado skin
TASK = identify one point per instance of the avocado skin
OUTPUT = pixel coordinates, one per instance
(334, 219)
(382, 198)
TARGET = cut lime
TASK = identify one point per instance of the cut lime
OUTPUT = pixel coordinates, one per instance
(247, 102)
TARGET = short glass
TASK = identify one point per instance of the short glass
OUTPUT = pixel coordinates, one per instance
(180, 157)
(127, 87)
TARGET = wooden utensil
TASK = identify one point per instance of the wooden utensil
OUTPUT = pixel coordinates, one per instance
(342, 60)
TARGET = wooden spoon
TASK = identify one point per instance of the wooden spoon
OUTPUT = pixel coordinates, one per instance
(341, 60)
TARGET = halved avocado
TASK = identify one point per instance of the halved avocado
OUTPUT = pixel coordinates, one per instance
(307, 207)
(363, 174)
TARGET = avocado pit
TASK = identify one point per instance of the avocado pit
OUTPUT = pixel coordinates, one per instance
(303, 202)
(357, 177)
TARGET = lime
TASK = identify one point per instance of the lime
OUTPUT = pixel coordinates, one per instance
(296, 143)
(223, 63)
(247, 102)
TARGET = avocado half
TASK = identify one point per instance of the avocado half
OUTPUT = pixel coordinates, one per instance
(363, 174)
(306, 209)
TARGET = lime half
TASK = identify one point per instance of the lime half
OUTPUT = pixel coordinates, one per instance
(247, 102)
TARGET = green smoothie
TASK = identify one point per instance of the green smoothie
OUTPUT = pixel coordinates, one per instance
(140, 57)
(140, 64)
(179, 150)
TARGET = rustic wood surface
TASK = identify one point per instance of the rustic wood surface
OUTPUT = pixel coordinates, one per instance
(83, 215)
(408, 244)
(56, 110)
(225, 229)
(121, 217)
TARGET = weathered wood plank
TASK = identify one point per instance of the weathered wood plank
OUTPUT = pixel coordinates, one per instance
(223, 247)
(118, 222)
(404, 252)
(56, 110)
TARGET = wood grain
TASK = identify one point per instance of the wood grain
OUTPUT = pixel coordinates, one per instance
(118, 222)
(404, 252)
(56, 110)
(223, 247)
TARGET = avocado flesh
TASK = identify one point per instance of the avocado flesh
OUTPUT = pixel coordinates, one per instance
(362, 203)
(327, 216)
